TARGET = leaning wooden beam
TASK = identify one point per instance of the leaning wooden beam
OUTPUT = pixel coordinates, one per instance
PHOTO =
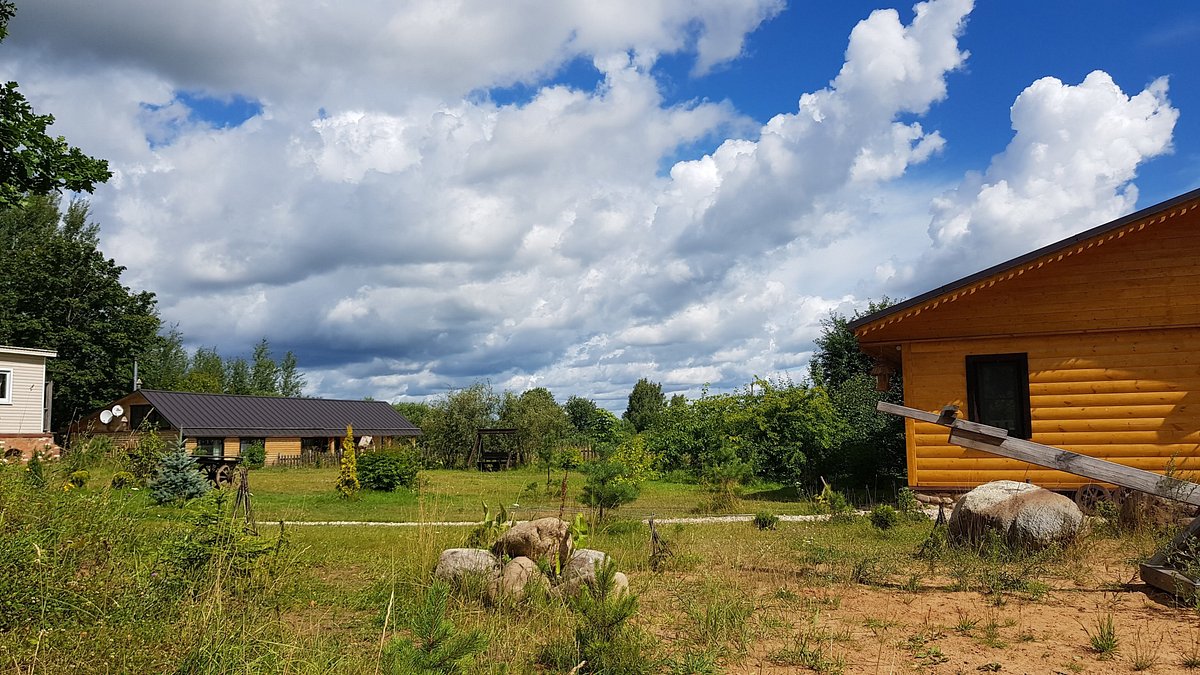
(996, 441)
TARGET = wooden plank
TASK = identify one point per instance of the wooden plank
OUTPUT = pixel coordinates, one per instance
(1168, 580)
(903, 411)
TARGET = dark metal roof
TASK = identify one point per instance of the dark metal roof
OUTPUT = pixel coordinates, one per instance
(1028, 257)
(249, 416)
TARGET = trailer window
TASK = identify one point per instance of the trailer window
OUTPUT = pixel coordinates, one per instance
(998, 392)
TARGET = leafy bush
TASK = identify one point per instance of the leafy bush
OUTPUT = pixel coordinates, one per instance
(607, 487)
(637, 459)
(178, 479)
(79, 478)
(388, 469)
(255, 456)
(907, 503)
(122, 479)
(884, 517)
(764, 520)
(144, 458)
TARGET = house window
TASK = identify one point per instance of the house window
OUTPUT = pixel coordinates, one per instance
(246, 443)
(210, 447)
(998, 392)
(6, 386)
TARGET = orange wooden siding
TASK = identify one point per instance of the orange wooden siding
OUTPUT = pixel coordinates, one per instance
(1132, 397)
(281, 446)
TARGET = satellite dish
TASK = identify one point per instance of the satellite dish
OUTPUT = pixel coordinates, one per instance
(117, 411)
(105, 416)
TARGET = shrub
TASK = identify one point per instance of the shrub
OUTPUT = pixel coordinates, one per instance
(178, 479)
(604, 637)
(88, 454)
(832, 501)
(764, 520)
(490, 528)
(606, 488)
(146, 455)
(441, 647)
(122, 479)
(884, 517)
(347, 482)
(78, 478)
(388, 469)
(723, 483)
(255, 456)
(906, 503)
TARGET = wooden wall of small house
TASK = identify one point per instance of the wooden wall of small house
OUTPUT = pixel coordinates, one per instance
(1131, 397)
(281, 446)
(1146, 279)
(24, 414)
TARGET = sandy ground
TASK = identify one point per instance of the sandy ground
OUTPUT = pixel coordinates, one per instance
(854, 628)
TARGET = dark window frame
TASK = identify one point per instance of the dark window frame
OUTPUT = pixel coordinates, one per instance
(211, 444)
(1024, 422)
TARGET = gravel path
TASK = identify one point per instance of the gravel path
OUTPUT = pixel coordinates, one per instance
(738, 518)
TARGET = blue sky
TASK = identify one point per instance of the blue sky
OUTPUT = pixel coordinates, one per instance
(577, 195)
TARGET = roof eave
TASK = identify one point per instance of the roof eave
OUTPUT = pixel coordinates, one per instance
(1144, 214)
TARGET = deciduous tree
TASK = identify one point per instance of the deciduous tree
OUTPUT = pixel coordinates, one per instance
(646, 402)
(31, 161)
(59, 292)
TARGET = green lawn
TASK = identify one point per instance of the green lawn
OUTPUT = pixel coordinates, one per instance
(455, 495)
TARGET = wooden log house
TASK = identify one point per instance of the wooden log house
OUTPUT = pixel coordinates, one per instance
(1090, 344)
(224, 425)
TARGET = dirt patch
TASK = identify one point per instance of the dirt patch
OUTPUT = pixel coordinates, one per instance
(811, 617)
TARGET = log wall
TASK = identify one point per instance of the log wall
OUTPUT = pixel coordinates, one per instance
(1131, 397)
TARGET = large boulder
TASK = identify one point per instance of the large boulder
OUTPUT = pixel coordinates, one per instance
(1023, 515)
(455, 564)
(541, 539)
(581, 570)
(515, 580)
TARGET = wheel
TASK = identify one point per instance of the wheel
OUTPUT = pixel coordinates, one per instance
(1089, 496)
(224, 475)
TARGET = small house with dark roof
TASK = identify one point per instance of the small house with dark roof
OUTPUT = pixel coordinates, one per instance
(1090, 344)
(225, 424)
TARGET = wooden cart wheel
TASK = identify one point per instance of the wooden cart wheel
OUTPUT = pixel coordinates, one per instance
(224, 475)
(1089, 496)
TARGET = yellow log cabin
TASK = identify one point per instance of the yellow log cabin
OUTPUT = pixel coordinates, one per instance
(1091, 344)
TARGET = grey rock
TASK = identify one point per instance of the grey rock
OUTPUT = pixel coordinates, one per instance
(515, 580)
(540, 539)
(1023, 515)
(457, 563)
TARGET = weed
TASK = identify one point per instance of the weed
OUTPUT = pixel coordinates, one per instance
(884, 517)
(695, 663)
(1104, 641)
(764, 520)
(808, 655)
(1191, 657)
(1145, 655)
(966, 625)
(720, 617)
